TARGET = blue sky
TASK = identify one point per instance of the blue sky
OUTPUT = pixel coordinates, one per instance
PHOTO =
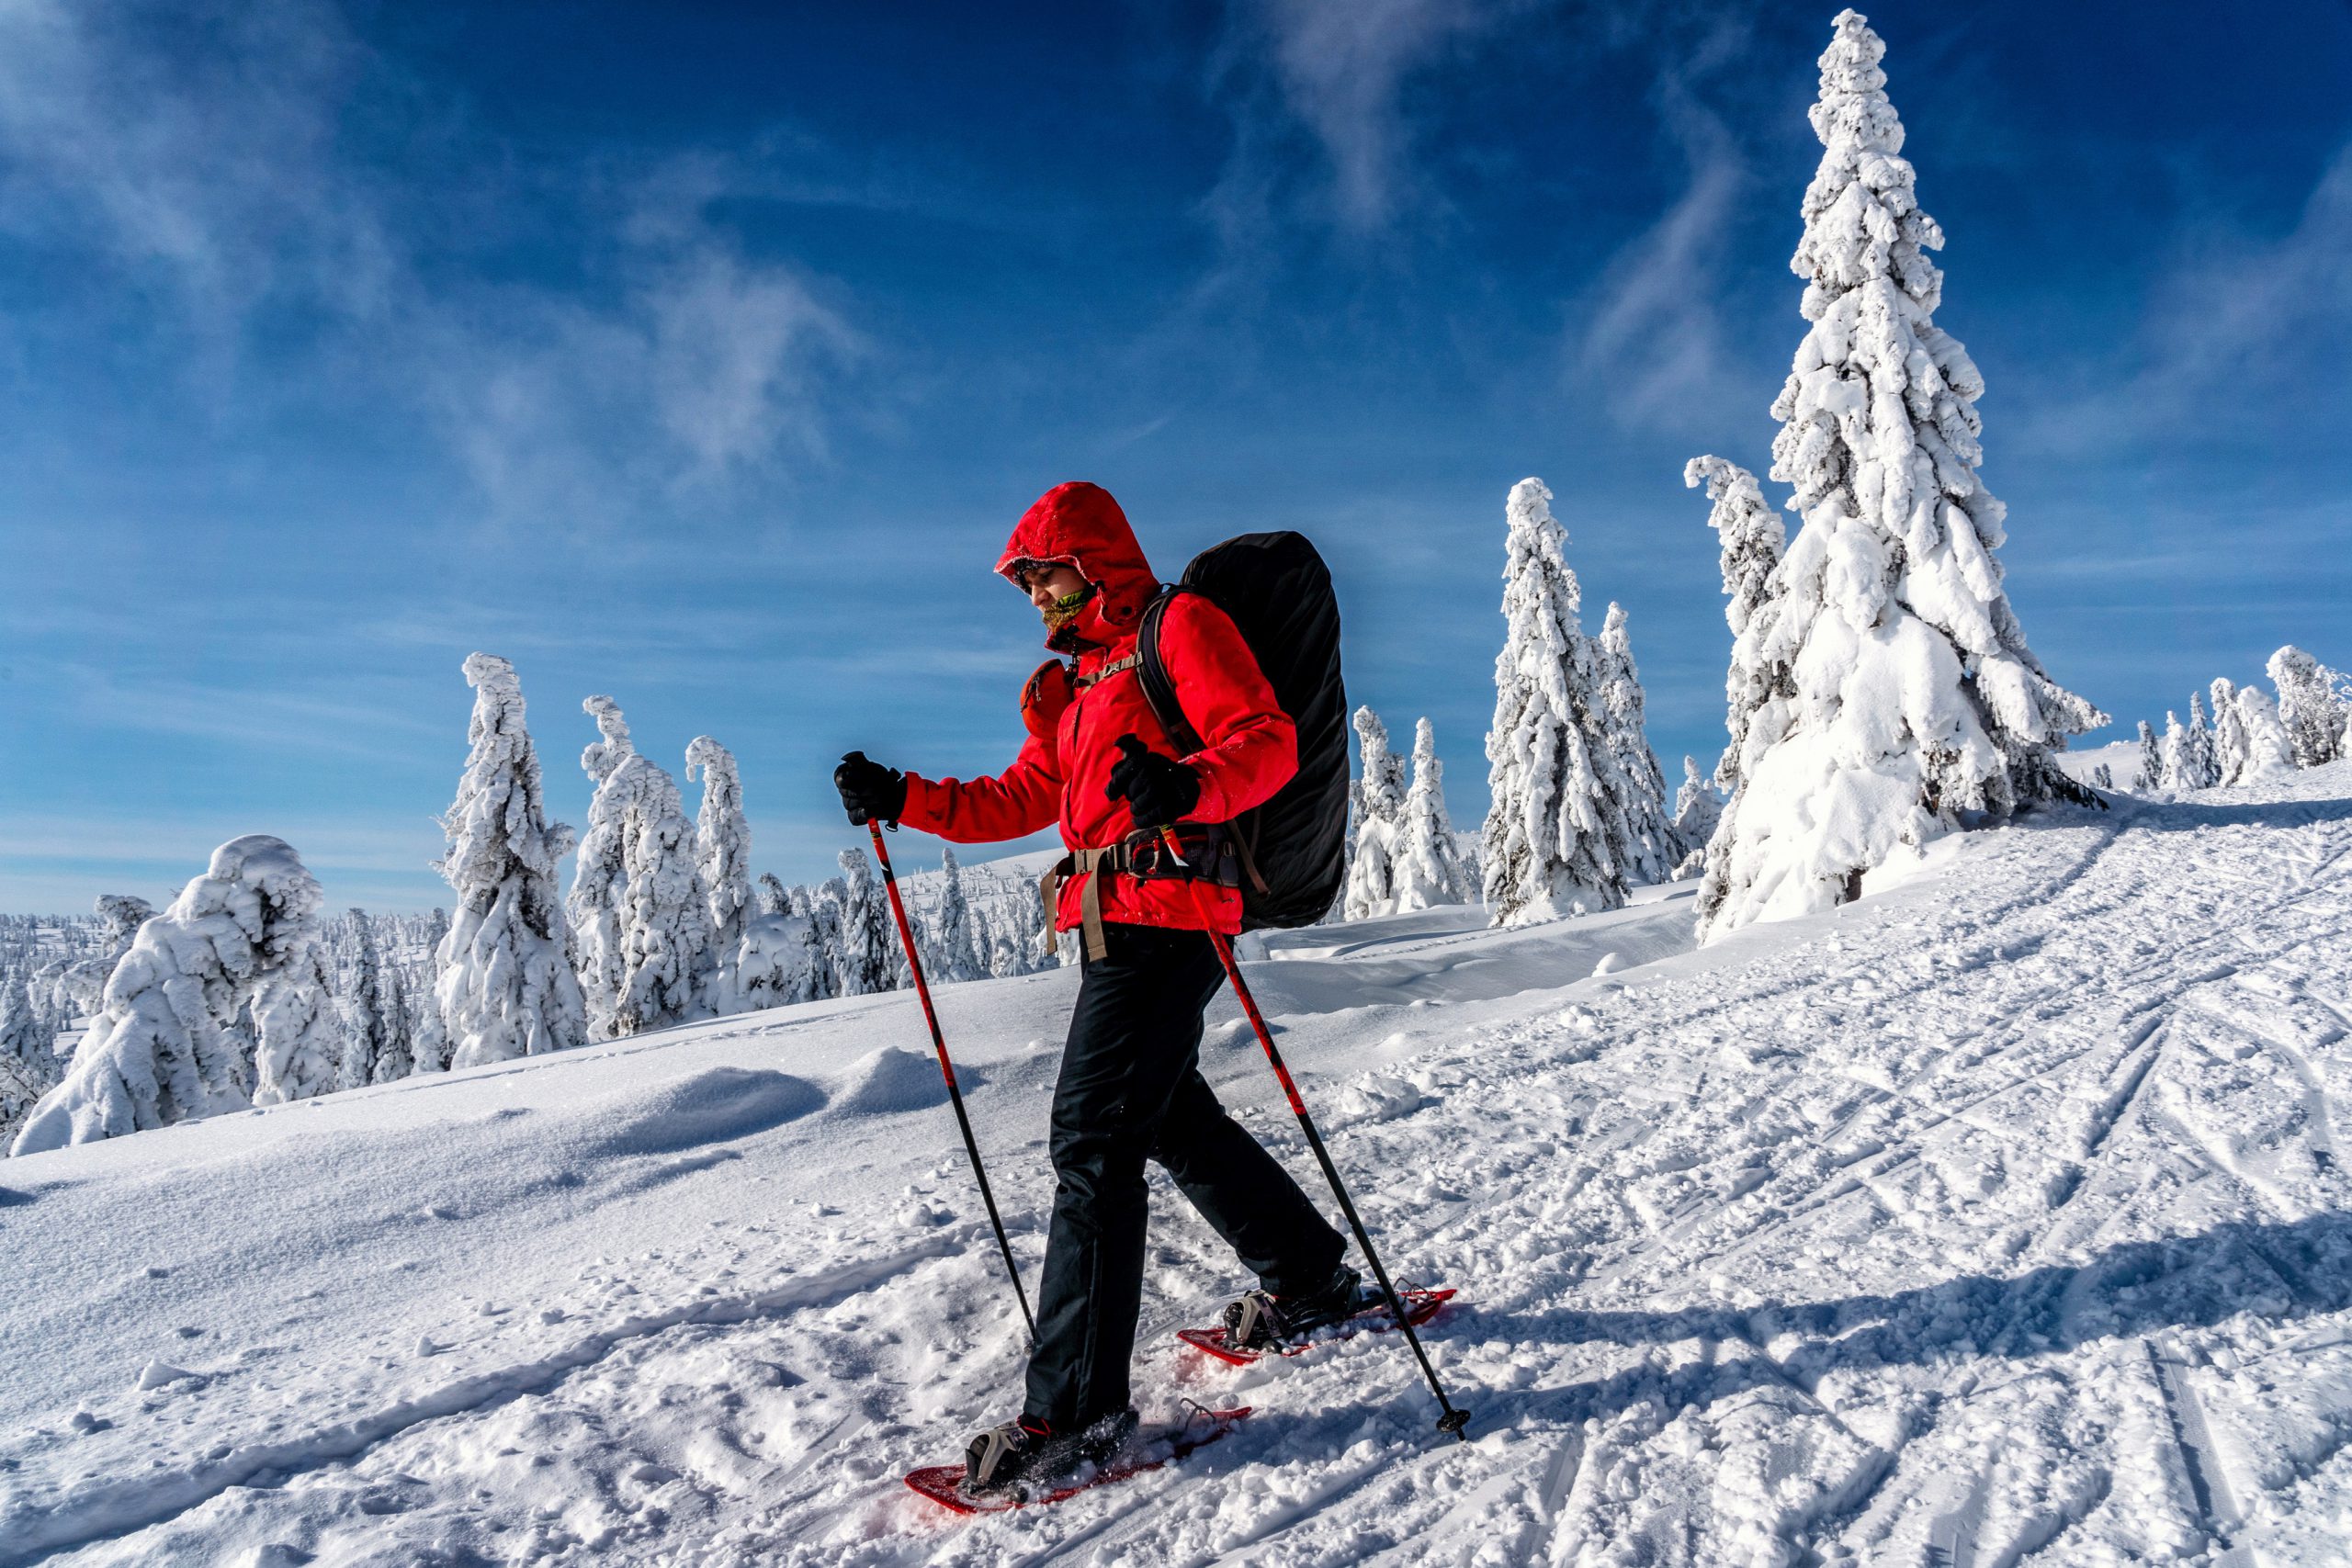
(704, 354)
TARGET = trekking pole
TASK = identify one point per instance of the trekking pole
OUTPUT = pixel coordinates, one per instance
(947, 1071)
(1452, 1420)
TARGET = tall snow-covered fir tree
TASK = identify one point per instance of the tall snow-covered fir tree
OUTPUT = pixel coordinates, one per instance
(2198, 770)
(174, 1040)
(1752, 539)
(2151, 759)
(1698, 810)
(640, 913)
(1554, 842)
(866, 959)
(1916, 695)
(953, 952)
(722, 840)
(398, 1058)
(299, 1035)
(2172, 751)
(2311, 706)
(2268, 751)
(2229, 732)
(504, 985)
(367, 1022)
(1643, 800)
(1428, 869)
(1378, 827)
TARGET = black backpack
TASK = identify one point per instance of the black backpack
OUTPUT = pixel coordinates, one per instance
(1278, 592)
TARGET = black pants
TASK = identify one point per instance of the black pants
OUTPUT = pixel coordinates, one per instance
(1131, 1089)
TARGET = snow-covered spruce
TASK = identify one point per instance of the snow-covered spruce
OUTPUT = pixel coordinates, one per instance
(2229, 732)
(865, 953)
(774, 897)
(640, 915)
(1643, 800)
(1752, 539)
(952, 951)
(371, 1048)
(1428, 870)
(1916, 696)
(504, 986)
(2199, 770)
(1698, 810)
(2172, 754)
(174, 1040)
(1378, 822)
(298, 1032)
(722, 845)
(2268, 751)
(2151, 759)
(1553, 842)
(2314, 704)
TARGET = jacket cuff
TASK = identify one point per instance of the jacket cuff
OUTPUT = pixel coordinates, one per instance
(926, 806)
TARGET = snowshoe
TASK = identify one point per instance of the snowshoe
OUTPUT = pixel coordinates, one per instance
(1259, 1336)
(1024, 1466)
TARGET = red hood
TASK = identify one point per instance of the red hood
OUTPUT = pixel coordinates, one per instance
(1080, 524)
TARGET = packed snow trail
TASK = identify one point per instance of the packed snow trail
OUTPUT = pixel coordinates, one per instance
(1997, 1218)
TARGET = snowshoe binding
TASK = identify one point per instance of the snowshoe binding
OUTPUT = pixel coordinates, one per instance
(1027, 1456)
(1261, 1324)
(1023, 1462)
(1262, 1321)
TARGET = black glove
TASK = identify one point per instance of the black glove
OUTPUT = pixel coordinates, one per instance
(870, 792)
(1159, 790)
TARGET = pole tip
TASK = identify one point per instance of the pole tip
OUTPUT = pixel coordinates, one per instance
(1454, 1421)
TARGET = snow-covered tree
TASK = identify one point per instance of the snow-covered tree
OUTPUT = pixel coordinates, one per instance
(173, 1040)
(640, 913)
(1553, 842)
(367, 1028)
(1698, 810)
(398, 1058)
(1916, 696)
(1378, 829)
(2102, 777)
(1428, 869)
(504, 986)
(2268, 751)
(1642, 787)
(2311, 706)
(2196, 769)
(2152, 760)
(2172, 754)
(78, 985)
(774, 897)
(1752, 540)
(299, 1035)
(2229, 732)
(722, 840)
(953, 951)
(865, 956)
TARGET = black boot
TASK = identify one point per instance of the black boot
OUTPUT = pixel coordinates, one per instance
(1262, 1320)
(1028, 1456)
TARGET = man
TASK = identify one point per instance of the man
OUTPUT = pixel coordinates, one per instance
(1098, 761)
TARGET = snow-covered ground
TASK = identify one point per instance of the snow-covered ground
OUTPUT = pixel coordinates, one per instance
(1998, 1217)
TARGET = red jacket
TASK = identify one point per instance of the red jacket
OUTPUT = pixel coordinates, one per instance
(1250, 747)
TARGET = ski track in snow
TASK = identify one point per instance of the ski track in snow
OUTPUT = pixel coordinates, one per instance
(1997, 1219)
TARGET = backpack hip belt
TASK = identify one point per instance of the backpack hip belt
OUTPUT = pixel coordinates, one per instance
(1211, 853)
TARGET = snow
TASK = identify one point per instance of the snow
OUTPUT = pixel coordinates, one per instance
(1998, 1216)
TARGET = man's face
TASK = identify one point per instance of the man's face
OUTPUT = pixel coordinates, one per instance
(1047, 583)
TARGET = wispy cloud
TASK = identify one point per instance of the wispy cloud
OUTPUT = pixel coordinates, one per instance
(242, 196)
(1341, 67)
(1653, 335)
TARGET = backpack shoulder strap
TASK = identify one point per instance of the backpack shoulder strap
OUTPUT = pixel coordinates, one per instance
(1157, 689)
